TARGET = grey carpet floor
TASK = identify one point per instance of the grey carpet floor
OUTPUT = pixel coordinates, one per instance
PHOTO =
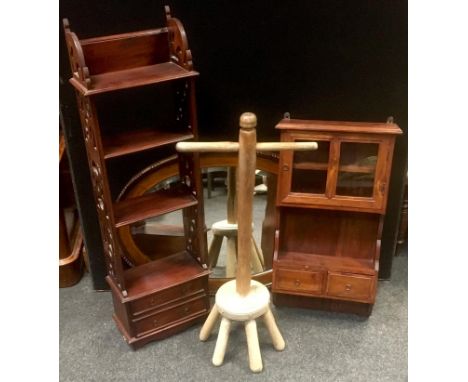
(320, 346)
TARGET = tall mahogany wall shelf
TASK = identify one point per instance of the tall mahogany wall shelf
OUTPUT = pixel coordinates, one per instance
(167, 295)
(331, 204)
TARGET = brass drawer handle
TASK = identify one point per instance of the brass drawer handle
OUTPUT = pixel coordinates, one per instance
(348, 287)
(186, 309)
(297, 282)
(155, 322)
(285, 167)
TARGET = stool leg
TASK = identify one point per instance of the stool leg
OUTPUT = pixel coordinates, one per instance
(221, 342)
(209, 323)
(255, 259)
(259, 253)
(231, 256)
(276, 337)
(213, 251)
(255, 358)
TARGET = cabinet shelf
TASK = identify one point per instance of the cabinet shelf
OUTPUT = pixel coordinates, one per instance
(324, 167)
(336, 263)
(131, 78)
(154, 204)
(161, 274)
(134, 141)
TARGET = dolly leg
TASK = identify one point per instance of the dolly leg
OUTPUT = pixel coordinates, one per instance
(276, 337)
(209, 323)
(221, 342)
(255, 358)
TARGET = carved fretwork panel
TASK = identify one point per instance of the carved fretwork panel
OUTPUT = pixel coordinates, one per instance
(178, 44)
(194, 218)
(75, 54)
(102, 194)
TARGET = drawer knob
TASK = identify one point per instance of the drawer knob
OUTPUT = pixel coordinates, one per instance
(297, 282)
(153, 301)
(186, 309)
(285, 167)
(348, 287)
(155, 323)
(185, 289)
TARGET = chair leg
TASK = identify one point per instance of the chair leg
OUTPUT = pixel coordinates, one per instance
(209, 323)
(276, 337)
(221, 342)
(255, 357)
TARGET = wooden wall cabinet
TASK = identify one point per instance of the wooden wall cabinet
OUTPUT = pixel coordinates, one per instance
(160, 298)
(331, 203)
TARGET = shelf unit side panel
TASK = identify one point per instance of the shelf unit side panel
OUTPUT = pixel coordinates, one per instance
(102, 196)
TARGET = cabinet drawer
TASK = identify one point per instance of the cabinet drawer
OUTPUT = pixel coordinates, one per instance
(300, 281)
(165, 296)
(354, 287)
(172, 314)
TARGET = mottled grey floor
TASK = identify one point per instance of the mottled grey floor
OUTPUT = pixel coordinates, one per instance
(320, 346)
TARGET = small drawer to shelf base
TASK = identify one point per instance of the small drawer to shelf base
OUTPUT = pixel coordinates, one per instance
(299, 281)
(353, 287)
(318, 287)
(156, 308)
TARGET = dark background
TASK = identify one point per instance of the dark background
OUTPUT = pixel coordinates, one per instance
(328, 59)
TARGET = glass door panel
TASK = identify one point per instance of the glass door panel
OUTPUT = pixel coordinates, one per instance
(356, 172)
(309, 173)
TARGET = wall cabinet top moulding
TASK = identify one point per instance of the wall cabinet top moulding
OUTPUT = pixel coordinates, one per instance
(128, 60)
(339, 127)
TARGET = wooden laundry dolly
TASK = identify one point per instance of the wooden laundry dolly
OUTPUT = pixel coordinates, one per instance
(243, 299)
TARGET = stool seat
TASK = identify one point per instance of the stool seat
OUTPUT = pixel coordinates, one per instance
(236, 307)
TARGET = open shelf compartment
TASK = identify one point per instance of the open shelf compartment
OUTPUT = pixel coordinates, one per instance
(162, 274)
(134, 77)
(340, 240)
(154, 204)
(134, 141)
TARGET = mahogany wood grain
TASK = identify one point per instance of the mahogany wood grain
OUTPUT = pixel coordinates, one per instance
(162, 274)
(128, 61)
(334, 234)
(339, 126)
(154, 204)
(131, 78)
(355, 287)
(167, 296)
(299, 280)
(125, 51)
(167, 316)
(308, 261)
(135, 141)
(325, 232)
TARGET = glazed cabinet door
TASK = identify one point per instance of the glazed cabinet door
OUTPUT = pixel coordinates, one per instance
(347, 171)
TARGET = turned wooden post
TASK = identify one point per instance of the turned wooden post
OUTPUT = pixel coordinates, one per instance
(245, 189)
